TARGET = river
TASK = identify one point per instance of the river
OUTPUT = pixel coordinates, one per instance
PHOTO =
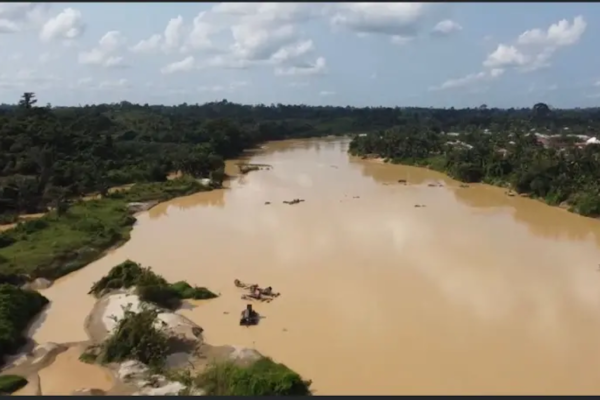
(474, 293)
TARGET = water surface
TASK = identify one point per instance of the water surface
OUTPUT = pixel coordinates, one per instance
(475, 293)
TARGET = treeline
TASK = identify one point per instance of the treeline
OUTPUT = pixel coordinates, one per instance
(49, 154)
(559, 172)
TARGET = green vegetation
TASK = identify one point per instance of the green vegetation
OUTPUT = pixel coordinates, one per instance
(17, 308)
(136, 337)
(503, 148)
(60, 243)
(150, 286)
(263, 377)
(11, 383)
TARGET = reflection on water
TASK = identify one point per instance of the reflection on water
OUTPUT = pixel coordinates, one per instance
(475, 293)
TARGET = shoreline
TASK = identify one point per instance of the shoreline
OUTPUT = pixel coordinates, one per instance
(508, 190)
(27, 360)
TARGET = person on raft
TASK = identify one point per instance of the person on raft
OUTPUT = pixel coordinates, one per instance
(249, 316)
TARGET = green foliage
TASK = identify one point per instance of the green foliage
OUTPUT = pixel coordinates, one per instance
(551, 168)
(262, 378)
(136, 337)
(185, 291)
(11, 383)
(53, 246)
(150, 286)
(49, 155)
(17, 308)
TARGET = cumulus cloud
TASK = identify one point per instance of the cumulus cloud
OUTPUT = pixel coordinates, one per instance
(446, 27)
(534, 48)
(187, 64)
(262, 34)
(170, 40)
(400, 21)
(104, 54)
(68, 24)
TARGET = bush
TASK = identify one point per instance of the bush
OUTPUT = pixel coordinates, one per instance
(185, 291)
(161, 295)
(11, 383)
(17, 308)
(262, 378)
(151, 287)
(136, 337)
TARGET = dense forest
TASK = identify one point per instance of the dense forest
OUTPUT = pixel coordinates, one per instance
(542, 153)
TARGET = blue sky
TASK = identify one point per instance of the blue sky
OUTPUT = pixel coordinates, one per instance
(358, 54)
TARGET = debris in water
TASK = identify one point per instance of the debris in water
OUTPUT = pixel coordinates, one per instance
(295, 201)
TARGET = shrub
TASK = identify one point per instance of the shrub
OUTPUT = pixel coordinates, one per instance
(185, 291)
(136, 337)
(17, 308)
(151, 287)
(262, 378)
(11, 383)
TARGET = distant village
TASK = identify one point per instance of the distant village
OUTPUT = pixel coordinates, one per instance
(557, 141)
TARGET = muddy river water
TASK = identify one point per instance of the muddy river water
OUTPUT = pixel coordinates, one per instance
(474, 293)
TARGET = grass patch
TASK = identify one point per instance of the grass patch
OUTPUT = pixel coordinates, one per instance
(264, 377)
(53, 246)
(150, 287)
(11, 383)
(17, 308)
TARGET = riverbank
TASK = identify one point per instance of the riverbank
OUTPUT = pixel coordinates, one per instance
(137, 344)
(38, 251)
(437, 164)
(62, 242)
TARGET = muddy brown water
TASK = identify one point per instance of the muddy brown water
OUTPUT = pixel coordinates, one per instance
(475, 293)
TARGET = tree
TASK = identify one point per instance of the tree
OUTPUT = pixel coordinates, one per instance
(28, 100)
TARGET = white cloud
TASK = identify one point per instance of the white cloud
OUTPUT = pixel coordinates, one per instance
(104, 54)
(562, 33)
(187, 64)
(326, 93)
(293, 51)
(173, 33)
(199, 36)
(262, 34)
(147, 45)
(399, 20)
(469, 79)
(534, 48)
(316, 68)
(170, 40)
(505, 56)
(446, 27)
(68, 24)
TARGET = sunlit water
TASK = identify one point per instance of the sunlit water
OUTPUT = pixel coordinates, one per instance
(476, 293)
